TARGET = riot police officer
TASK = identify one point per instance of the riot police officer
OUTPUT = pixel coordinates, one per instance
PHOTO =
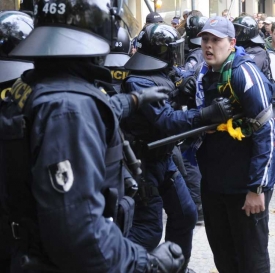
(61, 154)
(14, 27)
(161, 186)
(119, 55)
(194, 57)
(247, 36)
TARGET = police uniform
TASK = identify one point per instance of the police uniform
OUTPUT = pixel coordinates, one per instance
(62, 151)
(162, 185)
(67, 181)
(152, 123)
(10, 71)
(193, 59)
(13, 70)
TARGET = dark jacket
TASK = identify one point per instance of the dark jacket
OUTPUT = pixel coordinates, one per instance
(75, 158)
(228, 165)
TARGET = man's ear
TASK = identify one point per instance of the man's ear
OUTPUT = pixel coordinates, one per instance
(232, 43)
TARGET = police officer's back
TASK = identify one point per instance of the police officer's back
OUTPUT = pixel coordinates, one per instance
(61, 157)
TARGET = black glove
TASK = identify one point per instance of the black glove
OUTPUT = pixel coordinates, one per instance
(166, 258)
(187, 86)
(151, 94)
(186, 91)
(218, 112)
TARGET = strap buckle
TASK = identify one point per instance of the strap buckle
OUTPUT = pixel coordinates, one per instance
(15, 230)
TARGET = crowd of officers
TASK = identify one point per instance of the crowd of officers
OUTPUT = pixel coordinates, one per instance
(80, 191)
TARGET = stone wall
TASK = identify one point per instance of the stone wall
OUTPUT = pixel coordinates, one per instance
(7, 4)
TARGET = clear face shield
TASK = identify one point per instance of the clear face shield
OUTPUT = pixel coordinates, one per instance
(177, 52)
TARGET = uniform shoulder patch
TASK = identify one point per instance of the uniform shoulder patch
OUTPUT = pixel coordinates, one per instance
(61, 176)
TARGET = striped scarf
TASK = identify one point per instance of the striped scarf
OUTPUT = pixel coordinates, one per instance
(237, 128)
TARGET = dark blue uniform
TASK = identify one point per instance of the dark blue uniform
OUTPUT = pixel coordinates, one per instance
(154, 122)
(75, 162)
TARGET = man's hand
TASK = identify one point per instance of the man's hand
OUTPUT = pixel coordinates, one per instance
(254, 203)
(166, 258)
(187, 86)
(151, 94)
(186, 94)
(218, 112)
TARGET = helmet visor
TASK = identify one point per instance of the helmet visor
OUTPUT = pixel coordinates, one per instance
(244, 33)
(176, 50)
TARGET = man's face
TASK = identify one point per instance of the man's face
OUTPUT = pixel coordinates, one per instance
(267, 27)
(216, 50)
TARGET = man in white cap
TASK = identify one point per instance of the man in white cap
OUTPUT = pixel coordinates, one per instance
(267, 26)
(236, 187)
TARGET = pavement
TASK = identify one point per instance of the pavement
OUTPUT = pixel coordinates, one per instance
(202, 258)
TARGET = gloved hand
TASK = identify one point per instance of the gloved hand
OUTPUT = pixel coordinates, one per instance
(151, 94)
(166, 258)
(187, 86)
(218, 112)
(186, 92)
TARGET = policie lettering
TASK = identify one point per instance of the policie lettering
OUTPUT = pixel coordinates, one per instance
(4, 93)
(119, 74)
(20, 91)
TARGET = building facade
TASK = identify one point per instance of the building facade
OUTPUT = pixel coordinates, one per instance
(171, 8)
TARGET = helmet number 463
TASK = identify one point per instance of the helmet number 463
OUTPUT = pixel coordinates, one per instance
(52, 8)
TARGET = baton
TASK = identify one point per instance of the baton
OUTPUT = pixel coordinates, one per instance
(191, 133)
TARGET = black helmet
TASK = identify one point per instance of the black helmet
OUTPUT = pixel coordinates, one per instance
(158, 46)
(120, 49)
(71, 28)
(247, 29)
(194, 25)
(15, 26)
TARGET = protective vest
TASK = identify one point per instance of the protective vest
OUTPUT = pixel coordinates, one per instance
(15, 123)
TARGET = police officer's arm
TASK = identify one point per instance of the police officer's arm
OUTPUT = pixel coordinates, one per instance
(166, 119)
(125, 104)
(68, 151)
(254, 92)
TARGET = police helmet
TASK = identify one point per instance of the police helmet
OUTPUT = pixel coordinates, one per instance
(70, 28)
(158, 46)
(247, 29)
(120, 49)
(194, 25)
(15, 26)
